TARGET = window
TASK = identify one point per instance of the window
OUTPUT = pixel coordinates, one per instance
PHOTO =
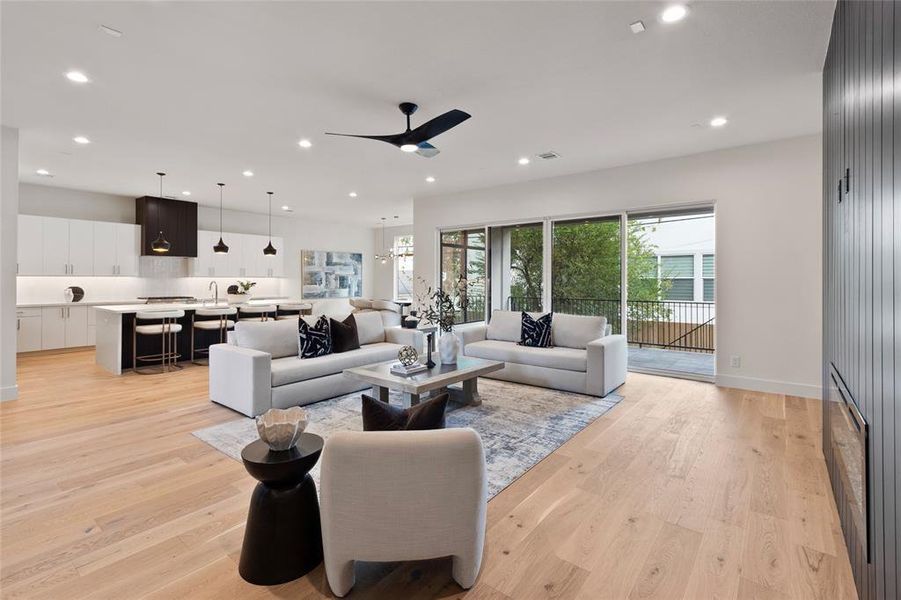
(679, 271)
(463, 255)
(517, 266)
(709, 277)
(586, 270)
(403, 267)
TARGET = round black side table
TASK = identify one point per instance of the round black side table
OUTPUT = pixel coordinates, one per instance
(283, 536)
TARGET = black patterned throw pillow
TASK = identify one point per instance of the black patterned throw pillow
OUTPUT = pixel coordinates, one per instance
(314, 340)
(536, 332)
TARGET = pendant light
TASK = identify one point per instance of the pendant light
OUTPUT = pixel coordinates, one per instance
(220, 248)
(387, 254)
(160, 245)
(270, 249)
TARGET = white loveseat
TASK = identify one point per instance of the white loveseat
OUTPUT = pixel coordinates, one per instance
(584, 357)
(260, 368)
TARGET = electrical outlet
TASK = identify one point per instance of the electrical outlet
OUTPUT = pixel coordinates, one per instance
(735, 361)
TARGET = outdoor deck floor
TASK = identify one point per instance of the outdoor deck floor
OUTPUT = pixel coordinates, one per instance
(675, 361)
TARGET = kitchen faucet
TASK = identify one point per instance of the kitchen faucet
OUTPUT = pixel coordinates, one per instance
(215, 285)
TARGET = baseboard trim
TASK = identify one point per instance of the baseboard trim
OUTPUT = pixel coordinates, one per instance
(770, 386)
(10, 392)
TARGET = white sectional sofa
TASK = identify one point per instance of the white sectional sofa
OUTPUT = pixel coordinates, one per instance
(584, 357)
(260, 368)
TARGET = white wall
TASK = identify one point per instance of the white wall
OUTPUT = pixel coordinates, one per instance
(383, 288)
(768, 232)
(9, 206)
(168, 275)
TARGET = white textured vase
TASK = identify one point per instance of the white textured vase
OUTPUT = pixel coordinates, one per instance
(448, 348)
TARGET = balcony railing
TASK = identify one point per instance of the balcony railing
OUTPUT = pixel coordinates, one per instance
(669, 324)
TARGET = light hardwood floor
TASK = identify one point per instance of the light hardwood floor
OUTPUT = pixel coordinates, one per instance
(684, 490)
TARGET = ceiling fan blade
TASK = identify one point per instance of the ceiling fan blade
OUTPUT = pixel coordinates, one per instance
(427, 150)
(436, 126)
(395, 139)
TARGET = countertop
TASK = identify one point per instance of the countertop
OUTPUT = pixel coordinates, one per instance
(130, 308)
(81, 303)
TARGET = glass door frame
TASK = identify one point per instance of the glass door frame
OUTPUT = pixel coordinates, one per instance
(548, 248)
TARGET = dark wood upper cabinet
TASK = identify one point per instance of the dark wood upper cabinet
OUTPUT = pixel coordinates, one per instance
(175, 218)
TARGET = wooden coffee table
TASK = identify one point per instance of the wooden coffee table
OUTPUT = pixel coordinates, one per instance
(435, 380)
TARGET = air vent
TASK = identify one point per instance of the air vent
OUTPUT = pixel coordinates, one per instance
(549, 155)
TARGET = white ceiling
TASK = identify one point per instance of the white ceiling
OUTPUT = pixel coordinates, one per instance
(205, 90)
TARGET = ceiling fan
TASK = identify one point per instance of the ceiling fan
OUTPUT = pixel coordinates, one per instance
(417, 140)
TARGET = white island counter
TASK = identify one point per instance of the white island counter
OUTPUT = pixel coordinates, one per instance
(114, 328)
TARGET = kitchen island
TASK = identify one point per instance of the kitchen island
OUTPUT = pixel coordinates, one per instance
(115, 323)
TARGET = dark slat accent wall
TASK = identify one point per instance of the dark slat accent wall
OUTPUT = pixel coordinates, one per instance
(862, 271)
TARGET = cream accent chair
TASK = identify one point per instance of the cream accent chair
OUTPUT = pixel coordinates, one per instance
(403, 495)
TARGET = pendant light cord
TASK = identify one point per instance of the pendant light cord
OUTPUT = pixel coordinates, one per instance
(270, 216)
(161, 174)
(221, 185)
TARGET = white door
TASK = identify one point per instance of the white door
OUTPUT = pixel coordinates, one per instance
(28, 332)
(128, 249)
(53, 327)
(30, 246)
(105, 248)
(56, 246)
(81, 247)
(76, 326)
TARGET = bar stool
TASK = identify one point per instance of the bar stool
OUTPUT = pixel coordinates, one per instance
(293, 310)
(260, 312)
(222, 323)
(167, 329)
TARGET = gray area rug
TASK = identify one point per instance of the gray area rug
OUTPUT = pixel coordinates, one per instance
(519, 425)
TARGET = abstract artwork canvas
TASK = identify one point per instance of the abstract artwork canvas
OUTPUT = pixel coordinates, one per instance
(327, 274)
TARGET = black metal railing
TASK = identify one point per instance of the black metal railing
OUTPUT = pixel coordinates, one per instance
(670, 324)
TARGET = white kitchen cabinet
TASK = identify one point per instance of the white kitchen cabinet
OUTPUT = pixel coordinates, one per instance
(116, 249)
(81, 247)
(30, 246)
(76, 326)
(128, 249)
(64, 327)
(53, 327)
(245, 258)
(28, 329)
(56, 246)
(105, 245)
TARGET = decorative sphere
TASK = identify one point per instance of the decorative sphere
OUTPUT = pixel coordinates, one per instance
(407, 355)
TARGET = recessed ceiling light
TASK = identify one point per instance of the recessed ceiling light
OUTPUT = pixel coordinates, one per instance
(43, 173)
(304, 143)
(524, 161)
(352, 194)
(718, 121)
(110, 31)
(247, 173)
(409, 147)
(636, 27)
(186, 193)
(430, 179)
(77, 77)
(673, 13)
(80, 139)
(286, 208)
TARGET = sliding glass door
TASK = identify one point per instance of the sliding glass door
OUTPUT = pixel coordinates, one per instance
(671, 314)
(651, 274)
(517, 267)
(586, 270)
(463, 256)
